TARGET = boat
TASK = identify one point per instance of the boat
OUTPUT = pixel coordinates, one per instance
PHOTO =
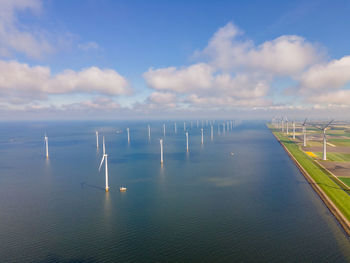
(122, 189)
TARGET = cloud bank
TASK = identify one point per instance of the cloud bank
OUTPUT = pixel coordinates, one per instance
(234, 73)
(21, 83)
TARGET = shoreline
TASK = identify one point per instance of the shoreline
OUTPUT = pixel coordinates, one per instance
(342, 220)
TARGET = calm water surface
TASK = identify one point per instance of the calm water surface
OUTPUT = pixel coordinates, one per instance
(204, 206)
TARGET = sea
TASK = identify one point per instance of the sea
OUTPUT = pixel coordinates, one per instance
(237, 197)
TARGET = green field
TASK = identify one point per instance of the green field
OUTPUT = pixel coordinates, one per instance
(346, 180)
(340, 142)
(321, 176)
(335, 157)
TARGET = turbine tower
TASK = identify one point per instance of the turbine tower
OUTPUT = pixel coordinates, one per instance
(304, 132)
(161, 151)
(293, 130)
(175, 130)
(128, 131)
(149, 132)
(325, 140)
(184, 126)
(105, 159)
(164, 129)
(202, 135)
(211, 132)
(287, 126)
(47, 146)
(187, 141)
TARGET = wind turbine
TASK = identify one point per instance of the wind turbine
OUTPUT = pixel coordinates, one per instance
(149, 132)
(202, 135)
(304, 132)
(282, 125)
(47, 146)
(105, 159)
(161, 150)
(97, 139)
(175, 130)
(287, 126)
(187, 141)
(211, 132)
(219, 128)
(184, 126)
(128, 131)
(164, 129)
(325, 140)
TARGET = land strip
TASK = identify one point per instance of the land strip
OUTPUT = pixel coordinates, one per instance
(332, 192)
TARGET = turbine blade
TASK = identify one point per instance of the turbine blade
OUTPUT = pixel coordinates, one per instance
(103, 158)
(305, 121)
(325, 127)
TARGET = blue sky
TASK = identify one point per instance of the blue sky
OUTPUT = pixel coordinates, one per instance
(157, 46)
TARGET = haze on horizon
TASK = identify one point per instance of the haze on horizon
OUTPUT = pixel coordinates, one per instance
(183, 59)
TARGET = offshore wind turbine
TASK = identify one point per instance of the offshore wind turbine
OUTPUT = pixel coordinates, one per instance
(128, 131)
(202, 135)
(304, 132)
(187, 141)
(184, 126)
(161, 150)
(105, 159)
(211, 132)
(218, 128)
(149, 132)
(47, 146)
(325, 140)
(175, 130)
(164, 129)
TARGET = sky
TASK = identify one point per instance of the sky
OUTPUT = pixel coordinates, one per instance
(111, 59)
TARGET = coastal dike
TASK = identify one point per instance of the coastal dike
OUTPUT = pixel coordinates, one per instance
(343, 221)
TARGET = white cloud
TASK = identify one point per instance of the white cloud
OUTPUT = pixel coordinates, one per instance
(285, 55)
(326, 83)
(100, 103)
(195, 77)
(233, 72)
(15, 37)
(21, 83)
(328, 76)
(162, 98)
(210, 85)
